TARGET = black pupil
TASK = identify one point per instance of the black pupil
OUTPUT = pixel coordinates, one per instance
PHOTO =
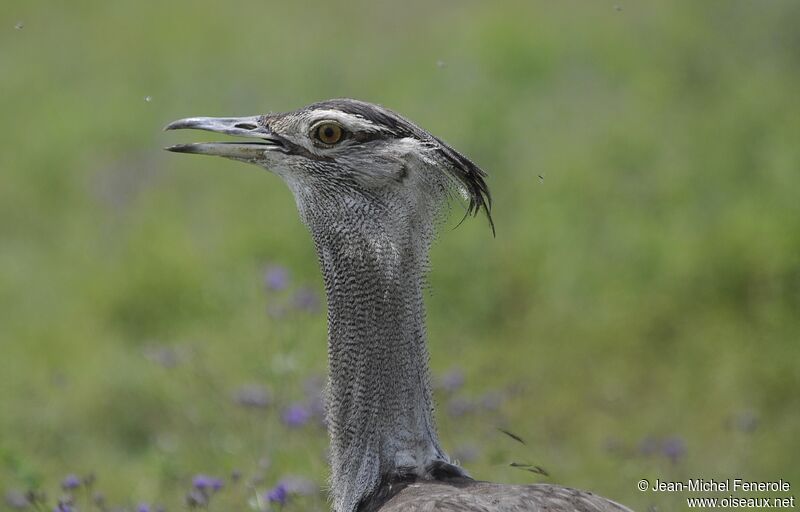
(328, 132)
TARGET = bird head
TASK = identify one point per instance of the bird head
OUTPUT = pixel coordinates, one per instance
(350, 161)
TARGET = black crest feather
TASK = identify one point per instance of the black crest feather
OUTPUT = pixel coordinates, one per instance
(465, 171)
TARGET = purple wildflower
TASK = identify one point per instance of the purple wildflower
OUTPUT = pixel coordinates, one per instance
(253, 395)
(17, 500)
(276, 278)
(674, 448)
(460, 406)
(277, 494)
(296, 415)
(70, 482)
(206, 483)
(63, 506)
(143, 507)
(306, 299)
(452, 381)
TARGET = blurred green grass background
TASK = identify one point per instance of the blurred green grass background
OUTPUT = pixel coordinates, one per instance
(637, 312)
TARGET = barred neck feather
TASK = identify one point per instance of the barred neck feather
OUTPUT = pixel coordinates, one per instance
(373, 255)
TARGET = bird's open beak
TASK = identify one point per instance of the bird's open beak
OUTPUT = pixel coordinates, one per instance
(240, 126)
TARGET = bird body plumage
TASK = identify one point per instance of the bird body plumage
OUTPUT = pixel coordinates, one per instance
(472, 496)
(372, 193)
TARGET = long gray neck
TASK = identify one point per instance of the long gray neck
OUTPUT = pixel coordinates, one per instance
(379, 405)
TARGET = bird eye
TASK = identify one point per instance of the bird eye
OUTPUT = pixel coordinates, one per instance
(329, 133)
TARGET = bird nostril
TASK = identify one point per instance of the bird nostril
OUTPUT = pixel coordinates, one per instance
(246, 126)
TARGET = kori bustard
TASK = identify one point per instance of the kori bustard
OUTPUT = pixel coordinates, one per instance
(372, 186)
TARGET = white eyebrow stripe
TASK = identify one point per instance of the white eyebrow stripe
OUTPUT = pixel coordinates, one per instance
(349, 121)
